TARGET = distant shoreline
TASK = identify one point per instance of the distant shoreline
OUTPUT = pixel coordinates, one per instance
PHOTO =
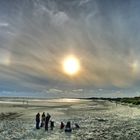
(23, 97)
(129, 100)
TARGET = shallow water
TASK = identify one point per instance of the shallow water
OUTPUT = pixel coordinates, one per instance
(99, 120)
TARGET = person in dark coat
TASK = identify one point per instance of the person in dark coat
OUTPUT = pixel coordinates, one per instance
(51, 125)
(62, 125)
(37, 120)
(47, 121)
(42, 119)
(68, 127)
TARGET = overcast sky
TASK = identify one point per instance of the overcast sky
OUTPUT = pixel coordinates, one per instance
(36, 35)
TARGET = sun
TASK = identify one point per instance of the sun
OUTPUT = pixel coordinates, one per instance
(71, 65)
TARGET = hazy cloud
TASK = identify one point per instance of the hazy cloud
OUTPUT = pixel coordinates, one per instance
(104, 36)
(4, 24)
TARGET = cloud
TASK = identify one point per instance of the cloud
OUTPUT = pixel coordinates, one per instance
(77, 90)
(4, 24)
(82, 2)
(51, 12)
(53, 90)
(105, 41)
(59, 18)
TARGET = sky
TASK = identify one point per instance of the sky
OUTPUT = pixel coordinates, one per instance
(37, 35)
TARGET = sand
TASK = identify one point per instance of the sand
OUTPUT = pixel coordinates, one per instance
(97, 119)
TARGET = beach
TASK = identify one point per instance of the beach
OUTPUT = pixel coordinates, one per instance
(97, 119)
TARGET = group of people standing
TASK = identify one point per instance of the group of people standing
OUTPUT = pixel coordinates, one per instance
(45, 120)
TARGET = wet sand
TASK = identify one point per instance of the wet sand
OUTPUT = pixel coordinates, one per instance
(97, 119)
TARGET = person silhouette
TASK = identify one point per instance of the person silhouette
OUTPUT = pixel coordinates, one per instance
(51, 125)
(37, 120)
(47, 121)
(62, 125)
(42, 119)
(68, 127)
